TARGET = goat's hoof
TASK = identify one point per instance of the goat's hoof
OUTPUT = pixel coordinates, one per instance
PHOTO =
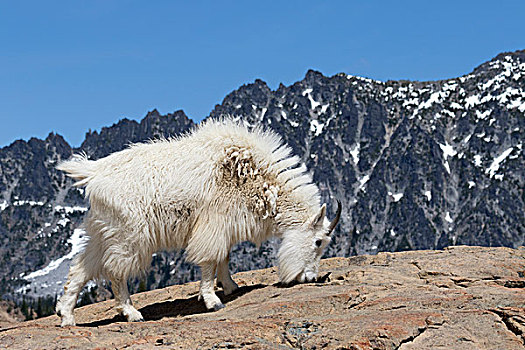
(67, 321)
(219, 306)
(231, 290)
(134, 316)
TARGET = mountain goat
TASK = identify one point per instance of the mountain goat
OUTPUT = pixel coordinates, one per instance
(204, 192)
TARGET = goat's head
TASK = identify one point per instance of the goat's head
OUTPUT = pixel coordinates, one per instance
(302, 247)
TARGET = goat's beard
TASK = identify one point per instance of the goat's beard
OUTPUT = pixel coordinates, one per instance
(291, 260)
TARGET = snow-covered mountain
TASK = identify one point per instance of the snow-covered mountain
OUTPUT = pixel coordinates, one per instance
(417, 165)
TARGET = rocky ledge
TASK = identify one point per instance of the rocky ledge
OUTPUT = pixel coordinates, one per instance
(457, 298)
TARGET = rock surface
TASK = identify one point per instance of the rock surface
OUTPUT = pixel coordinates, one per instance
(457, 298)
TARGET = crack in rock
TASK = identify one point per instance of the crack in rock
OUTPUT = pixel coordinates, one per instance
(514, 323)
(512, 283)
(410, 339)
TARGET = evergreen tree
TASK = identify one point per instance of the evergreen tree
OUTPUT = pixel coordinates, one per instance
(38, 309)
(24, 308)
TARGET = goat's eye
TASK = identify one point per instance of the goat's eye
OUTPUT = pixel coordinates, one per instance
(318, 242)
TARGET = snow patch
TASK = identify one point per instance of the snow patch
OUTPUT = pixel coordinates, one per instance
(481, 134)
(483, 115)
(316, 127)
(447, 167)
(396, 196)
(31, 203)
(363, 181)
(314, 104)
(436, 97)
(449, 113)
(496, 163)
(77, 240)
(472, 101)
(448, 150)
(263, 112)
(455, 105)
(63, 222)
(354, 152)
(517, 104)
(70, 210)
(477, 160)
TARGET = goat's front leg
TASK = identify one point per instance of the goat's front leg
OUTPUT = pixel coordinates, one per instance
(223, 275)
(124, 305)
(207, 292)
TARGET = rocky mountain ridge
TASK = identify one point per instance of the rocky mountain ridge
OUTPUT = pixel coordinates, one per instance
(417, 165)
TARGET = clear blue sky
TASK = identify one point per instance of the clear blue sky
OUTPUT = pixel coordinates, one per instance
(68, 66)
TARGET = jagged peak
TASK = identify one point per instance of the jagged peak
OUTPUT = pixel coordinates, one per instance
(313, 74)
(52, 137)
(55, 137)
(153, 112)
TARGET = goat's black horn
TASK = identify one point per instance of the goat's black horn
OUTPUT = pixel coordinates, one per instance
(334, 222)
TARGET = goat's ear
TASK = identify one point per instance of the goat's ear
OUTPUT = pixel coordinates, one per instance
(318, 220)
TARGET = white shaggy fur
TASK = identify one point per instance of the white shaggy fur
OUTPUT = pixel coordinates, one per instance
(205, 191)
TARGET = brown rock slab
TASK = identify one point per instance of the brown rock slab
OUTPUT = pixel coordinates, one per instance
(457, 298)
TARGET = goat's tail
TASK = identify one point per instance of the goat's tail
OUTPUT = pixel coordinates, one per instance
(78, 168)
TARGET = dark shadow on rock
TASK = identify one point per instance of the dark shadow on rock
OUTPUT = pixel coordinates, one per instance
(319, 280)
(175, 308)
(107, 321)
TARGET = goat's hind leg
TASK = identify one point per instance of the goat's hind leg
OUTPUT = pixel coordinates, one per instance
(223, 275)
(124, 304)
(76, 279)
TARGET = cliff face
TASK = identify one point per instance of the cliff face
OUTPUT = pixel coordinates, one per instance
(418, 165)
(457, 298)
